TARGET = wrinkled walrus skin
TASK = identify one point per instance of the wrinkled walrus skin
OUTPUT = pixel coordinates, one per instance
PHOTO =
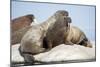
(76, 36)
(32, 41)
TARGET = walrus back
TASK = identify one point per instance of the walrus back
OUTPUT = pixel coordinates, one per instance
(21, 22)
(75, 34)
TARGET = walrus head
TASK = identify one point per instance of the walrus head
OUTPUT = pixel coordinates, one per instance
(61, 13)
(63, 16)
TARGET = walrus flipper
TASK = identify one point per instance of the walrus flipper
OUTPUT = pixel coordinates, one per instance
(69, 43)
(28, 56)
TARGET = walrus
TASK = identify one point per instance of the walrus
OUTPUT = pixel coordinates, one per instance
(20, 26)
(32, 41)
(76, 36)
(56, 34)
(21, 22)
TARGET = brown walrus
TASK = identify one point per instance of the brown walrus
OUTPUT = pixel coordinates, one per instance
(19, 26)
(21, 22)
(76, 36)
(32, 41)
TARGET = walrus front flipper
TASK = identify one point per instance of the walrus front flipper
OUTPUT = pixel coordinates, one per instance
(69, 43)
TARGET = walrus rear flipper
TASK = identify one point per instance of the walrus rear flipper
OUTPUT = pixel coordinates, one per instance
(85, 42)
(28, 57)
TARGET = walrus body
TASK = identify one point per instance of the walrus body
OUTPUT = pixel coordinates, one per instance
(17, 35)
(21, 22)
(32, 41)
(19, 26)
(56, 34)
(76, 36)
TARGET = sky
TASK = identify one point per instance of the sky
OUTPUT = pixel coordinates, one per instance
(82, 16)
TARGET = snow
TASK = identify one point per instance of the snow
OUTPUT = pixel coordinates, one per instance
(59, 53)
